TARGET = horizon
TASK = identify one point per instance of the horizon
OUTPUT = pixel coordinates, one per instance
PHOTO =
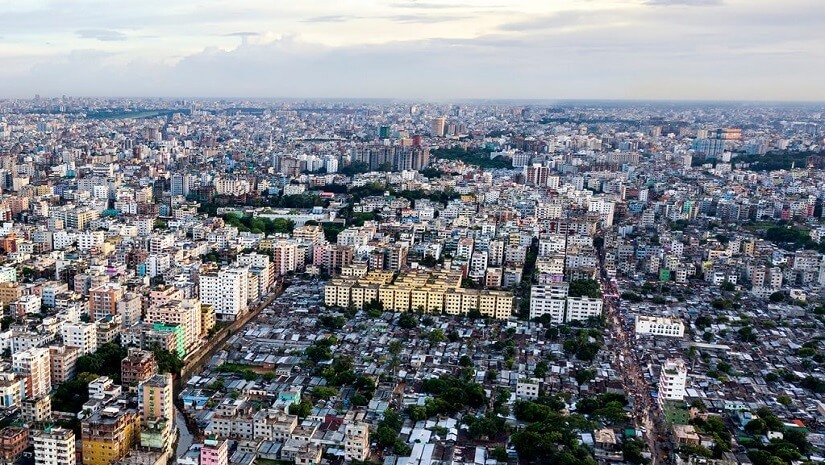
(396, 100)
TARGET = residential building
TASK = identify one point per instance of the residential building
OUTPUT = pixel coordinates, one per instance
(659, 326)
(138, 366)
(356, 442)
(108, 435)
(673, 380)
(214, 452)
(35, 366)
(54, 446)
(226, 291)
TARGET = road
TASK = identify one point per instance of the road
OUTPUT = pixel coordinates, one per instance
(194, 364)
(626, 359)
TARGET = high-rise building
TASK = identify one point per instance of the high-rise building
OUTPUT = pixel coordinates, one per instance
(13, 441)
(35, 365)
(549, 300)
(109, 434)
(673, 380)
(259, 264)
(583, 308)
(185, 313)
(138, 366)
(336, 257)
(54, 446)
(81, 335)
(155, 397)
(103, 300)
(226, 291)
(156, 411)
(12, 389)
(180, 184)
(63, 361)
(438, 126)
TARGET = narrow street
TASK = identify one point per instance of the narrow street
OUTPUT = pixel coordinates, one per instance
(626, 360)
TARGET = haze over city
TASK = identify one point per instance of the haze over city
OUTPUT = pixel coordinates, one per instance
(437, 49)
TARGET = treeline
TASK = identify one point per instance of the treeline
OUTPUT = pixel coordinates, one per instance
(298, 201)
(773, 161)
(259, 225)
(792, 238)
(475, 156)
(373, 189)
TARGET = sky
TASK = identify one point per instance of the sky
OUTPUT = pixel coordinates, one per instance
(415, 49)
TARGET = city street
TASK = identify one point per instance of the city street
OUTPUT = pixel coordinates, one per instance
(645, 410)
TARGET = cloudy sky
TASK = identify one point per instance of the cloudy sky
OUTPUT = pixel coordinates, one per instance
(415, 49)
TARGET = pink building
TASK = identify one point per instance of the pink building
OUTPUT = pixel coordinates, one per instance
(214, 452)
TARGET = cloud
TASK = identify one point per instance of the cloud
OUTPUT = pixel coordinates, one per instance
(559, 19)
(633, 50)
(412, 4)
(685, 2)
(103, 35)
(330, 19)
(422, 19)
(243, 34)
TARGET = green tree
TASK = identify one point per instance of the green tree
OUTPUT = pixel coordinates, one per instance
(302, 410)
(585, 288)
(584, 376)
(105, 361)
(756, 426)
(407, 321)
(324, 392)
(436, 336)
(168, 362)
(632, 451)
(500, 454)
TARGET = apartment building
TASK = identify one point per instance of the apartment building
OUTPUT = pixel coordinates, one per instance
(226, 291)
(659, 326)
(108, 435)
(54, 446)
(63, 361)
(35, 366)
(138, 366)
(673, 380)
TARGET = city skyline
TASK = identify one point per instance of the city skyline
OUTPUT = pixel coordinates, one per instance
(438, 50)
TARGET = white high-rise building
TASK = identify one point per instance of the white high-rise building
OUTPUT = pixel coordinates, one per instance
(549, 300)
(583, 308)
(673, 380)
(80, 335)
(357, 442)
(478, 264)
(260, 265)
(54, 446)
(35, 365)
(226, 291)
(331, 164)
(605, 210)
